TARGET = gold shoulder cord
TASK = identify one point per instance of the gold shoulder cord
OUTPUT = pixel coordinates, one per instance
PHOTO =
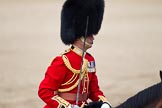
(68, 65)
(75, 74)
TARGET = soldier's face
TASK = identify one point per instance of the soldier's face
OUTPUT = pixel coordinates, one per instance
(89, 41)
(88, 44)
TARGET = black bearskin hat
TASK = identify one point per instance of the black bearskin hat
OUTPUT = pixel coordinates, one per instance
(74, 19)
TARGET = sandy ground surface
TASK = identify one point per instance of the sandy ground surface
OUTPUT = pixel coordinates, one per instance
(128, 49)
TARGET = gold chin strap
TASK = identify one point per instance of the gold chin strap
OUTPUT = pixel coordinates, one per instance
(87, 44)
(75, 74)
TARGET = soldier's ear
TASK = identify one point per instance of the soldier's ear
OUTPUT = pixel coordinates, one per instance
(161, 74)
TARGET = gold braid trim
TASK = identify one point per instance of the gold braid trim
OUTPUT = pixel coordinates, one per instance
(61, 102)
(70, 88)
(76, 73)
(103, 99)
(68, 65)
(70, 80)
(73, 86)
(82, 106)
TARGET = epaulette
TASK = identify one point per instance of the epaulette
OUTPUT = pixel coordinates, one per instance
(66, 51)
(60, 55)
(89, 54)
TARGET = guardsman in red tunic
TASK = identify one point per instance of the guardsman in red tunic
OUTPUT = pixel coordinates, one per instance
(59, 87)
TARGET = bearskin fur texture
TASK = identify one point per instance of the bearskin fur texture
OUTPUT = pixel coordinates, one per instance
(74, 19)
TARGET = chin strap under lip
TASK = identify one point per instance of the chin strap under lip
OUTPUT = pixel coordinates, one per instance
(86, 43)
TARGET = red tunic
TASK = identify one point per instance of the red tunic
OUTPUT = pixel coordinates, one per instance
(57, 74)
